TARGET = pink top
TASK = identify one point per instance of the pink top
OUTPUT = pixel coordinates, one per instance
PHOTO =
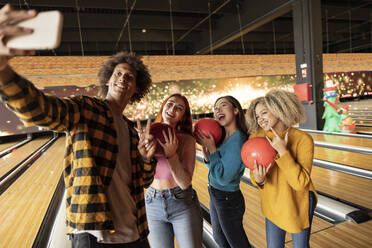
(185, 157)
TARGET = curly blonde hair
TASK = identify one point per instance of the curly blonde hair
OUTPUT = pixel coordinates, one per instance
(284, 105)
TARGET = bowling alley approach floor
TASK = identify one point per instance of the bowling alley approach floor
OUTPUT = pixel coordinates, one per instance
(346, 234)
(324, 234)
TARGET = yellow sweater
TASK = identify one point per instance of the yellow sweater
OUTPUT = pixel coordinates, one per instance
(285, 194)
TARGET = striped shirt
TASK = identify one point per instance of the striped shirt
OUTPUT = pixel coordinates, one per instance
(91, 152)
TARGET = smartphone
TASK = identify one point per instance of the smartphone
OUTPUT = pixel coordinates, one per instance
(47, 33)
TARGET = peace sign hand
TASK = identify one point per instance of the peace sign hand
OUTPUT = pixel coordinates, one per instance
(279, 144)
(171, 143)
(146, 144)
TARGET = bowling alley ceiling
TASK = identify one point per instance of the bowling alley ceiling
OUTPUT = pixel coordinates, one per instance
(186, 27)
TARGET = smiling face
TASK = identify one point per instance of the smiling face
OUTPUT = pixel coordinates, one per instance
(122, 83)
(265, 118)
(173, 111)
(224, 112)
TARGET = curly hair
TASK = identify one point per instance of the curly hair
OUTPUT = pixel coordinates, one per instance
(240, 119)
(143, 79)
(185, 124)
(284, 105)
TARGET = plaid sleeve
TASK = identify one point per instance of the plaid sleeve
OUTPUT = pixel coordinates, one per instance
(149, 172)
(33, 107)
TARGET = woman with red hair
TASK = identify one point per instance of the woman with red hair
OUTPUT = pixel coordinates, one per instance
(172, 206)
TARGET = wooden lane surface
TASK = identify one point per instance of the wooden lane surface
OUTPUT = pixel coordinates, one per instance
(367, 121)
(342, 140)
(365, 104)
(254, 221)
(361, 115)
(364, 129)
(347, 187)
(358, 160)
(344, 235)
(7, 145)
(14, 158)
(24, 203)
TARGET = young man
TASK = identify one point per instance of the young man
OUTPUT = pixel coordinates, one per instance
(106, 165)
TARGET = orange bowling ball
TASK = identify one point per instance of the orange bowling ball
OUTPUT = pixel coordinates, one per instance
(258, 149)
(206, 125)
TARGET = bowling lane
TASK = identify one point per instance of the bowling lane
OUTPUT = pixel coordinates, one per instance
(364, 129)
(343, 235)
(14, 158)
(358, 160)
(361, 115)
(24, 204)
(7, 145)
(254, 221)
(347, 187)
(361, 105)
(342, 140)
(364, 121)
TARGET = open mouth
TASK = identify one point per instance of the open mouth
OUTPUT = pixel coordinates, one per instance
(121, 85)
(220, 117)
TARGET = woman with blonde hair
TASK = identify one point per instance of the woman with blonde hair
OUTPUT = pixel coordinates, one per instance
(288, 197)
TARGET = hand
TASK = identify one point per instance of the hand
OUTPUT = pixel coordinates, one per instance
(171, 143)
(207, 142)
(146, 144)
(206, 154)
(279, 144)
(9, 16)
(259, 172)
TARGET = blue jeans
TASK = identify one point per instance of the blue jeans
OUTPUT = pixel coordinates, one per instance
(226, 211)
(86, 240)
(275, 236)
(174, 212)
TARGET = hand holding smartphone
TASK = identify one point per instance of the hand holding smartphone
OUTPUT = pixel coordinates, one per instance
(47, 32)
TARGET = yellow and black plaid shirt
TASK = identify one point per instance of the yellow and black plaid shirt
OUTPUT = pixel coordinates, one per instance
(91, 150)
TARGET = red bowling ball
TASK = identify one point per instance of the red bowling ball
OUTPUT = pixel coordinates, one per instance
(258, 149)
(157, 129)
(206, 125)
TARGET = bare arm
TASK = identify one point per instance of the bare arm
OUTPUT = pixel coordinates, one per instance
(182, 166)
(180, 174)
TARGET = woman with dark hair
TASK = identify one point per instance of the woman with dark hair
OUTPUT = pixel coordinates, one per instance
(225, 170)
(172, 206)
